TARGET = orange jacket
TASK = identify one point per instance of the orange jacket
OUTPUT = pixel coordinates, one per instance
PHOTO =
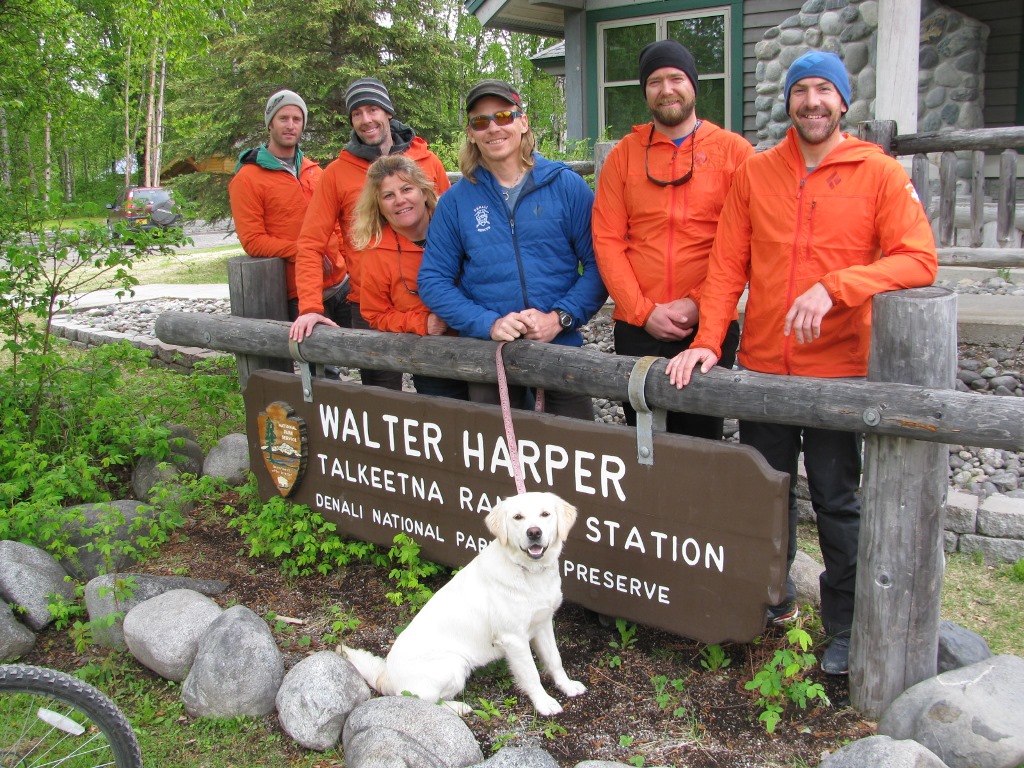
(652, 242)
(268, 204)
(334, 203)
(854, 224)
(388, 275)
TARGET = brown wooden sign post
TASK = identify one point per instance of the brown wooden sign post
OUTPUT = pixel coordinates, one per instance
(695, 543)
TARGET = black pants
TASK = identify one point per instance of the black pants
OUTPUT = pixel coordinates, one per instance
(833, 463)
(555, 402)
(438, 387)
(635, 341)
(386, 379)
(336, 308)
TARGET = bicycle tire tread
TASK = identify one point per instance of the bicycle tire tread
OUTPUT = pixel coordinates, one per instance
(104, 713)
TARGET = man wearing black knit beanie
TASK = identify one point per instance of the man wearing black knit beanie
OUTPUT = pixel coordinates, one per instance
(658, 198)
(375, 133)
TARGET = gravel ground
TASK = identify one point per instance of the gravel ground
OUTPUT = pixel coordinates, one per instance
(995, 371)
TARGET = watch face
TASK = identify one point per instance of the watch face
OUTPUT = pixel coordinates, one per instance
(565, 319)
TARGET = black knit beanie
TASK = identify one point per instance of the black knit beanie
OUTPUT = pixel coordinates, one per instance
(667, 53)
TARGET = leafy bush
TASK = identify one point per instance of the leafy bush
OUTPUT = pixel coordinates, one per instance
(76, 422)
(782, 679)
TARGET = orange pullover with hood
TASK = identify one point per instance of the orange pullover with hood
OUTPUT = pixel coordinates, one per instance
(854, 223)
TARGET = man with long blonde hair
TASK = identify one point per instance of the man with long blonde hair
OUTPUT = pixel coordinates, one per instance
(509, 254)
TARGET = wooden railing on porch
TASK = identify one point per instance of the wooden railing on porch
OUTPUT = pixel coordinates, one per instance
(974, 215)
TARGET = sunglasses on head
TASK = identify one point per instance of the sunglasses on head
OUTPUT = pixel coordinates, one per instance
(505, 117)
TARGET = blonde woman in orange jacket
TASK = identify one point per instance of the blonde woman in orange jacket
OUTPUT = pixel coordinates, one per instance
(389, 229)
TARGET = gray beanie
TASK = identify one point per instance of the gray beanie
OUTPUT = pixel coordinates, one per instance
(368, 90)
(283, 99)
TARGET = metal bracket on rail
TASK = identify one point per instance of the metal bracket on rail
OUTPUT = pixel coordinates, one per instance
(647, 419)
(306, 369)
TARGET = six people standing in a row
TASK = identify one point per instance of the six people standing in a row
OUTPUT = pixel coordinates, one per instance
(685, 216)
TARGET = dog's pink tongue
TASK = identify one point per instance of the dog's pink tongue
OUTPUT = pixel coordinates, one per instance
(536, 550)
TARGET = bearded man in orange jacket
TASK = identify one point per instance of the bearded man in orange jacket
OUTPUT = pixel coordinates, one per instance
(659, 195)
(270, 191)
(375, 133)
(818, 225)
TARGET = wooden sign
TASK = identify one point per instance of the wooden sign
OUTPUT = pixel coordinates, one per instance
(694, 544)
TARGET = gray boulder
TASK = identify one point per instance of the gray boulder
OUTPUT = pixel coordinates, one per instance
(124, 519)
(28, 576)
(186, 457)
(116, 594)
(805, 573)
(316, 698)
(959, 647)
(884, 752)
(148, 472)
(972, 717)
(238, 668)
(163, 632)
(229, 459)
(15, 638)
(519, 757)
(405, 732)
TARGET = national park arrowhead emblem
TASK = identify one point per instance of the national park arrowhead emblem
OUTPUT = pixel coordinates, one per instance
(283, 445)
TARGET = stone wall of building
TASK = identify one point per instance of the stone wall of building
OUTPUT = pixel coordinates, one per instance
(952, 61)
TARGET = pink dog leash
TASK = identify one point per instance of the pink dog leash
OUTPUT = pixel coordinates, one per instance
(506, 417)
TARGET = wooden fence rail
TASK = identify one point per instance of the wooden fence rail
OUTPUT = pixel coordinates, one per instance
(895, 410)
(977, 142)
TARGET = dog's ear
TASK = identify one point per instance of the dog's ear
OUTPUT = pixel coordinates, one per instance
(566, 518)
(495, 522)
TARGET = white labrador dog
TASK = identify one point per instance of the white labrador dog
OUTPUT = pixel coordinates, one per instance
(497, 606)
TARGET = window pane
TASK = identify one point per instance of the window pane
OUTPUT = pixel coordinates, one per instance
(711, 100)
(622, 47)
(705, 38)
(624, 107)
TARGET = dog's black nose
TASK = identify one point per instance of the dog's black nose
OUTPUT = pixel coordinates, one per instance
(533, 533)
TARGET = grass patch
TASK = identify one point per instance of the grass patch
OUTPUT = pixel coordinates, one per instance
(170, 738)
(982, 598)
(209, 265)
(192, 268)
(985, 599)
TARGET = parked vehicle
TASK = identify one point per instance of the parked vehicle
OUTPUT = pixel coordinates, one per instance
(144, 208)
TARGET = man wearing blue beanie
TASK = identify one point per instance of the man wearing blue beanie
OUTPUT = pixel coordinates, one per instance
(819, 224)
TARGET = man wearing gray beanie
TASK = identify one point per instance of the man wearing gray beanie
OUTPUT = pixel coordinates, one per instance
(658, 198)
(375, 133)
(270, 191)
(817, 225)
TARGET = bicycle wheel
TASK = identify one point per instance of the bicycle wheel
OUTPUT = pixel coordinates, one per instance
(49, 718)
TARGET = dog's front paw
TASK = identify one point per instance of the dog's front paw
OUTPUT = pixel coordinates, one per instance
(573, 688)
(545, 705)
(460, 707)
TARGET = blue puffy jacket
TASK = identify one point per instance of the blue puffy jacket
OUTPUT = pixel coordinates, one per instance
(479, 264)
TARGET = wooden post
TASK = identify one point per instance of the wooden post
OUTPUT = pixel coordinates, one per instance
(900, 557)
(1005, 216)
(947, 198)
(882, 133)
(977, 198)
(258, 289)
(601, 152)
(922, 182)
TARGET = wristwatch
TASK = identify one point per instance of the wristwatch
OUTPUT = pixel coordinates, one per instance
(565, 319)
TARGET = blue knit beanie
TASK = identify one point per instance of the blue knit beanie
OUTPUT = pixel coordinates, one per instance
(821, 64)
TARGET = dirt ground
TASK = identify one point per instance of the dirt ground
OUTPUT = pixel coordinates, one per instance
(695, 717)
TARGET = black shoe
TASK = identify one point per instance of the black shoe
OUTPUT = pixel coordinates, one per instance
(784, 613)
(836, 660)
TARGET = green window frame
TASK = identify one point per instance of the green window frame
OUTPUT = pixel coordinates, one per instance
(706, 32)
